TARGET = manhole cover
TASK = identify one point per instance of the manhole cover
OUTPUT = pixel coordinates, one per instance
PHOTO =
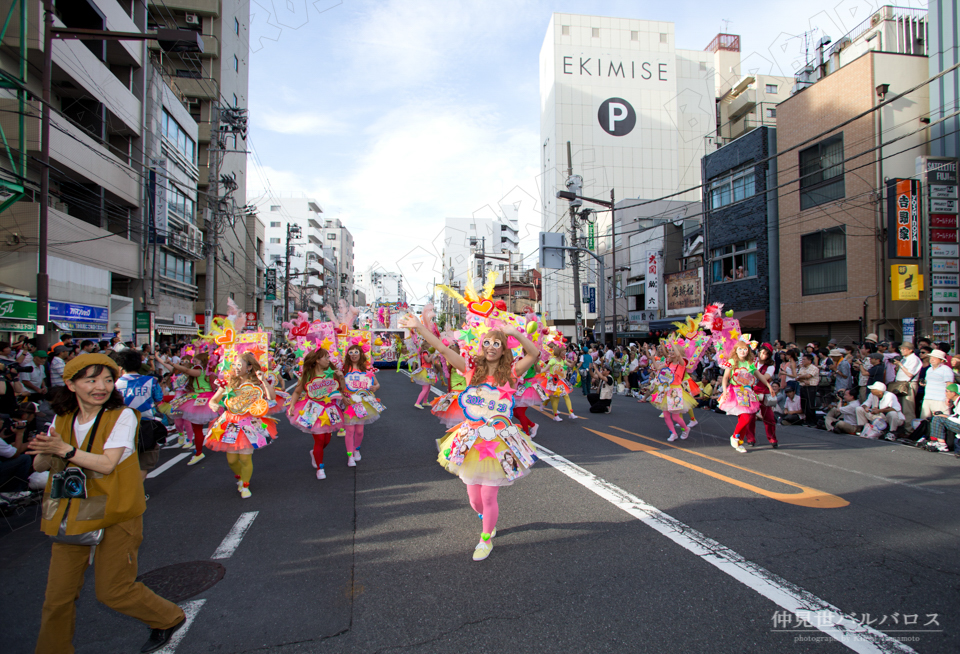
(182, 581)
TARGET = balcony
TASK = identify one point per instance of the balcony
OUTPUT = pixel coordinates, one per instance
(743, 103)
(71, 239)
(186, 240)
(205, 88)
(314, 281)
(201, 7)
(211, 46)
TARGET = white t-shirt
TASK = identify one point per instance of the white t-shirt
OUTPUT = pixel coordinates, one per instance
(123, 435)
(937, 380)
(909, 367)
(888, 401)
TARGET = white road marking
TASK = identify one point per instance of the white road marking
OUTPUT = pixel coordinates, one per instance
(865, 474)
(232, 540)
(819, 613)
(166, 466)
(190, 609)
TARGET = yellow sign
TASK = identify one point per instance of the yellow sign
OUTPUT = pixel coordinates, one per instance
(906, 281)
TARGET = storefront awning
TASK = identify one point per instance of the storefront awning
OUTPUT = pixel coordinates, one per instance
(633, 289)
(179, 330)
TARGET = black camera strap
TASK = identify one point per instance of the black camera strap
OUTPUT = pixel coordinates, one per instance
(92, 434)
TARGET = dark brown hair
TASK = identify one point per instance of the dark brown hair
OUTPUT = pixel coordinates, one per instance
(309, 371)
(64, 401)
(362, 364)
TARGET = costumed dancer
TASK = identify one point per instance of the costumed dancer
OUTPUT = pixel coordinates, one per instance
(766, 368)
(179, 385)
(361, 405)
(671, 396)
(483, 456)
(738, 397)
(447, 408)
(530, 389)
(556, 384)
(429, 364)
(243, 427)
(194, 404)
(314, 405)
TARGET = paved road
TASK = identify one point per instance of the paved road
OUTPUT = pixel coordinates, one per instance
(618, 542)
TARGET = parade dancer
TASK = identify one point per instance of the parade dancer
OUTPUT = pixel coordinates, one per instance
(529, 393)
(738, 397)
(556, 384)
(425, 376)
(362, 406)
(671, 397)
(766, 367)
(194, 405)
(484, 457)
(243, 427)
(447, 408)
(314, 404)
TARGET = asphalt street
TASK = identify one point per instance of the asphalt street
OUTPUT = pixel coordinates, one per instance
(617, 542)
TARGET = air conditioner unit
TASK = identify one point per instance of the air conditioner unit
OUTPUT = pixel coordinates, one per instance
(876, 18)
(193, 19)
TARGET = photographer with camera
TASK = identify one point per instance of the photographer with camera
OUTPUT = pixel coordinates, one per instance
(94, 498)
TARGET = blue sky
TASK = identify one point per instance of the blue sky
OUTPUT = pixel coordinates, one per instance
(396, 114)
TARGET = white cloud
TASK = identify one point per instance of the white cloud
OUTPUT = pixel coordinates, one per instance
(305, 123)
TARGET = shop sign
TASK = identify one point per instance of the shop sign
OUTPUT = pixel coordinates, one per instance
(943, 220)
(78, 312)
(944, 265)
(683, 290)
(909, 329)
(652, 280)
(905, 280)
(944, 250)
(11, 309)
(941, 280)
(943, 206)
(945, 295)
(943, 192)
(181, 319)
(18, 326)
(903, 218)
(141, 321)
(946, 310)
(943, 236)
(270, 283)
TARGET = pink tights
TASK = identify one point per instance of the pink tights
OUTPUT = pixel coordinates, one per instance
(182, 426)
(354, 437)
(424, 394)
(669, 418)
(483, 499)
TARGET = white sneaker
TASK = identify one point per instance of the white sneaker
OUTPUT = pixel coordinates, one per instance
(313, 460)
(187, 445)
(685, 433)
(245, 492)
(482, 550)
(418, 405)
(672, 438)
(239, 485)
(351, 462)
(321, 474)
(356, 455)
(692, 424)
(533, 430)
(196, 458)
(737, 444)
(573, 417)
(557, 419)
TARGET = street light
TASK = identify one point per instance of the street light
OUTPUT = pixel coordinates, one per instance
(169, 40)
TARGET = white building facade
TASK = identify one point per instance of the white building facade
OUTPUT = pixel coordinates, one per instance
(637, 113)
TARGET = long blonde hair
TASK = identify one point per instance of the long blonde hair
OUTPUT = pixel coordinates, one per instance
(235, 380)
(501, 369)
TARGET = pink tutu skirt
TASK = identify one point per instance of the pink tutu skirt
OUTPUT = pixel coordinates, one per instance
(738, 400)
(195, 409)
(283, 403)
(321, 417)
(448, 410)
(530, 393)
(233, 433)
(175, 411)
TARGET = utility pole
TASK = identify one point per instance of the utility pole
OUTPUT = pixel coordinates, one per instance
(43, 279)
(575, 185)
(213, 215)
(293, 231)
(613, 251)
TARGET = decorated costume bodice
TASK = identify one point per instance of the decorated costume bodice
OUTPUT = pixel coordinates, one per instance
(742, 374)
(483, 401)
(323, 388)
(247, 398)
(358, 381)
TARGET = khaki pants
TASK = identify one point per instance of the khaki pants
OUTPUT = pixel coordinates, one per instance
(115, 574)
(933, 406)
(908, 401)
(834, 421)
(892, 418)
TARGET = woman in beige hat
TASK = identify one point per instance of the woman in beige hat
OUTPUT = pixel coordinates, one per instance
(935, 382)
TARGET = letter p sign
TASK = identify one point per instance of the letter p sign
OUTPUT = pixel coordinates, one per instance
(617, 117)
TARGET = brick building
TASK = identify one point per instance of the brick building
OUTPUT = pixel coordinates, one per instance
(742, 265)
(832, 230)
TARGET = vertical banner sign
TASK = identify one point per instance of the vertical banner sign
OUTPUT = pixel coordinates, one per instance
(591, 237)
(908, 329)
(593, 300)
(270, 283)
(652, 281)
(940, 175)
(903, 218)
(159, 189)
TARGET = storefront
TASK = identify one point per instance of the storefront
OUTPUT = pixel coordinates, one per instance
(18, 316)
(81, 320)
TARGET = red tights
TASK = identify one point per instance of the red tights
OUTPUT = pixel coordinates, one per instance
(197, 438)
(520, 413)
(320, 441)
(744, 420)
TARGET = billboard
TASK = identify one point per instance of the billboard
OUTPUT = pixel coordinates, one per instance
(903, 218)
(684, 291)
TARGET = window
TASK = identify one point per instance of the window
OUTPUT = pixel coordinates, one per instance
(663, 37)
(233, 259)
(235, 102)
(180, 206)
(276, 257)
(771, 88)
(734, 262)
(634, 36)
(331, 236)
(565, 30)
(823, 260)
(236, 25)
(274, 223)
(771, 112)
(595, 32)
(236, 67)
(274, 207)
(177, 136)
(173, 267)
(734, 187)
(275, 241)
(821, 172)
